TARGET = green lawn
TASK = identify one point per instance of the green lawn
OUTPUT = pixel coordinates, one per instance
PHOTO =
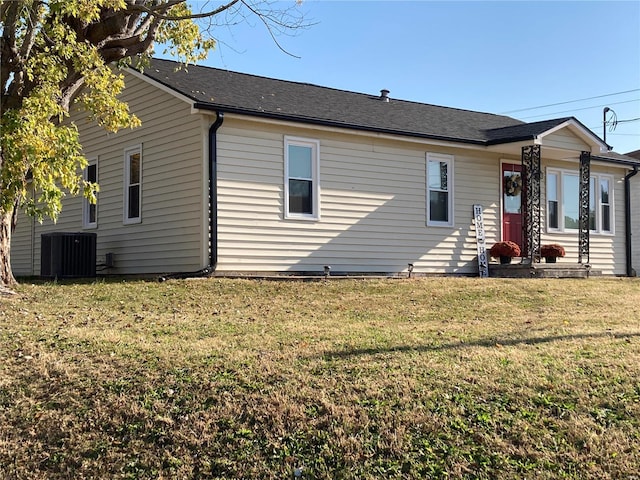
(421, 378)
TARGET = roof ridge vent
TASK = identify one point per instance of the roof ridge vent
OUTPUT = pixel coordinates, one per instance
(384, 95)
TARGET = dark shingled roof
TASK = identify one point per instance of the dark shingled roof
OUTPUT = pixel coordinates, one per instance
(523, 131)
(614, 157)
(232, 92)
(635, 154)
(214, 89)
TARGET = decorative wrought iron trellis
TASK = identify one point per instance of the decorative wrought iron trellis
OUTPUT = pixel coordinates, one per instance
(533, 175)
(583, 215)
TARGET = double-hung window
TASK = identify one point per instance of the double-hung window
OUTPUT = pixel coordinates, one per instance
(563, 211)
(90, 210)
(605, 195)
(301, 182)
(133, 185)
(439, 190)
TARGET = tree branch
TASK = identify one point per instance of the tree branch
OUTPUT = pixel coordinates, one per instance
(74, 84)
(128, 45)
(30, 35)
(111, 24)
(8, 47)
(269, 29)
(165, 7)
(145, 24)
(11, 76)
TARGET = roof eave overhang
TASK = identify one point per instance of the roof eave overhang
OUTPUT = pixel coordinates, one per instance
(572, 124)
(503, 141)
(616, 161)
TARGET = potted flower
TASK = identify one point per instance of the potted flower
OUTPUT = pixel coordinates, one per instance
(551, 252)
(505, 251)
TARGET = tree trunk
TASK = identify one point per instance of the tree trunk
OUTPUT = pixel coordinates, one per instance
(6, 275)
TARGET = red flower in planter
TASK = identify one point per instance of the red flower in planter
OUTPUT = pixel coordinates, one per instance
(552, 250)
(505, 249)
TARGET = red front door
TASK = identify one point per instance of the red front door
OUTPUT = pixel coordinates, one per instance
(512, 203)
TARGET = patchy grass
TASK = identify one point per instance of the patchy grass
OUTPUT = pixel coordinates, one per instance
(423, 378)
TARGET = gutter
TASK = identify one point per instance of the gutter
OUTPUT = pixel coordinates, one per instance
(502, 141)
(213, 206)
(627, 219)
(617, 161)
(333, 123)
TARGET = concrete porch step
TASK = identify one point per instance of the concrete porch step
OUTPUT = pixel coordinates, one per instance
(541, 270)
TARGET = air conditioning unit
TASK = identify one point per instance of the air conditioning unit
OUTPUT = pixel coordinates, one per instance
(68, 255)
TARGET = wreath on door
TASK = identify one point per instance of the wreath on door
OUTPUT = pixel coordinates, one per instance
(513, 185)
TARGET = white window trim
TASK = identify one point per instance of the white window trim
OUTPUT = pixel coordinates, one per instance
(597, 177)
(612, 217)
(128, 152)
(315, 180)
(440, 157)
(86, 224)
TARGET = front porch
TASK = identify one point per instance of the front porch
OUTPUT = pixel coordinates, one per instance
(532, 226)
(541, 270)
(530, 206)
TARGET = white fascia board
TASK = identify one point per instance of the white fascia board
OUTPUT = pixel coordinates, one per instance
(161, 86)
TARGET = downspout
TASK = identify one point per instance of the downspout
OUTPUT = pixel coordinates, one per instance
(627, 218)
(213, 206)
(213, 191)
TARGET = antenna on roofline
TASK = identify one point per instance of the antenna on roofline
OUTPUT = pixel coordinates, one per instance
(613, 122)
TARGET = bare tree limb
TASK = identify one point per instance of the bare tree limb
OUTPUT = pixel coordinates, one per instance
(269, 29)
(165, 7)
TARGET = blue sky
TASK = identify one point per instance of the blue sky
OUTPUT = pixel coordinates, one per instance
(487, 56)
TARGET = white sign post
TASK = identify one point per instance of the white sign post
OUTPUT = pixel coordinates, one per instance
(483, 261)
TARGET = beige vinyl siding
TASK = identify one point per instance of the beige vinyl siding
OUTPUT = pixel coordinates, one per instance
(606, 251)
(566, 140)
(170, 237)
(22, 246)
(373, 205)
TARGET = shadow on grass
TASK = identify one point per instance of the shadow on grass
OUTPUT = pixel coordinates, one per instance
(487, 342)
(87, 280)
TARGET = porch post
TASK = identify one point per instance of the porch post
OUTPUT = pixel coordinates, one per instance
(533, 173)
(583, 216)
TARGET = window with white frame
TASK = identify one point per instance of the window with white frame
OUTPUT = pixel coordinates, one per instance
(605, 194)
(133, 184)
(90, 210)
(563, 188)
(301, 182)
(439, 189)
